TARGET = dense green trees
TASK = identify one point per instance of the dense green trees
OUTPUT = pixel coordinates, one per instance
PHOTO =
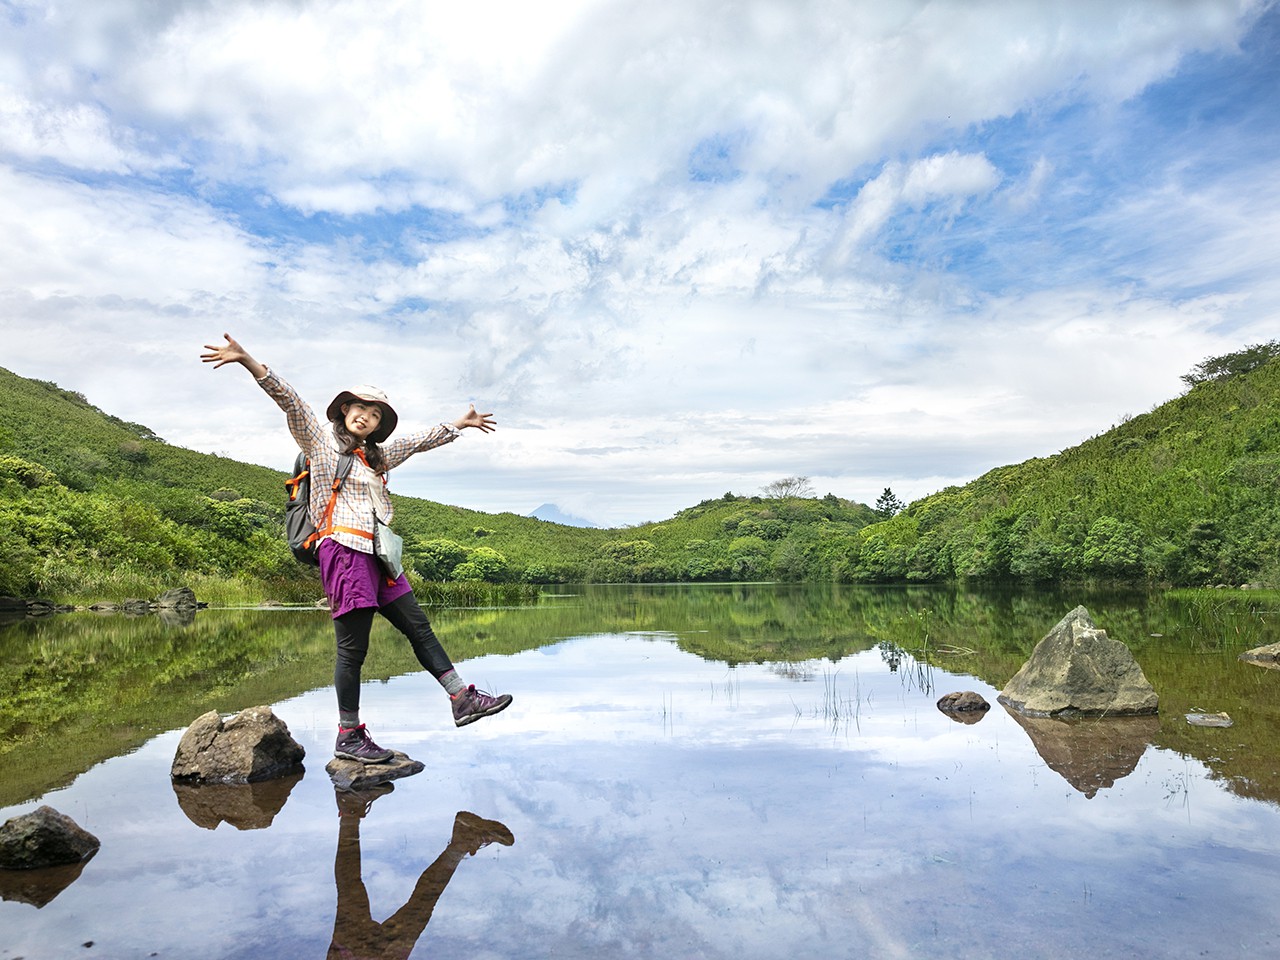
(1187, 494)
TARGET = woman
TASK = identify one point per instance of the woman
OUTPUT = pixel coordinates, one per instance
(360, 420)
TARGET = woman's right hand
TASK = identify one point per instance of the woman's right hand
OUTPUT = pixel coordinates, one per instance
(232, 352)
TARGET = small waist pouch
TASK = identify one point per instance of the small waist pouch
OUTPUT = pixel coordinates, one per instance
(388, 547)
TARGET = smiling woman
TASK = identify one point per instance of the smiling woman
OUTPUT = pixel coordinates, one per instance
(349, 504)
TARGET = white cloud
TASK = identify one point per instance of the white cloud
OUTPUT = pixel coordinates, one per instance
(676, 251)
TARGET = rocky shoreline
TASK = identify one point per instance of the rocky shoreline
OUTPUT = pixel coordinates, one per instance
(176, 600)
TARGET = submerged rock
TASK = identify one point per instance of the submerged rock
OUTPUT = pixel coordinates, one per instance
(1078, 671)
(354, 775)
(253, 745)
(1209, 720)
(44, 838)
(964, 707)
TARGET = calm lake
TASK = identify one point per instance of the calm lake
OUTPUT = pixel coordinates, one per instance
(687, 771)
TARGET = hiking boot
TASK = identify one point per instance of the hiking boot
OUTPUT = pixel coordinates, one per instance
(472, 704)
(470, 833)
(358, 745)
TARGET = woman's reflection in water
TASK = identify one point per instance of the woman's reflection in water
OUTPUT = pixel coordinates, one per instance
(355, 933)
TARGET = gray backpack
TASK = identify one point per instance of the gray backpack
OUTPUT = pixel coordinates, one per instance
(299, 529)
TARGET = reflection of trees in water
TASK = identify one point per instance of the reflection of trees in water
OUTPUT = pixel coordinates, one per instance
(915, 673)
(802, 672)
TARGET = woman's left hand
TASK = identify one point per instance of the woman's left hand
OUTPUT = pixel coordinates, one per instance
(483, 422)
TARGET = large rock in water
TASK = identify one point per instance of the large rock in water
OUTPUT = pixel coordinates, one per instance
(44, 838)
(253, 745)
(1078, 671)
(1268, 656)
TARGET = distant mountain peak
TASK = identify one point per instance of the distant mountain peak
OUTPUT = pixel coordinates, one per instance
(553, 514)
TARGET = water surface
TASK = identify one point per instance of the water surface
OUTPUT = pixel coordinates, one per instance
(714, 772)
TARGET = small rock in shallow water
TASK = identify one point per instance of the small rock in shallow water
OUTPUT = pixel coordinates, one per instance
(1209, 720)
(1267, 656)
(354, 775)
(44, 838)
(965, 700)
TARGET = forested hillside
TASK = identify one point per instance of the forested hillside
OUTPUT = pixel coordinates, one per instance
(93, 506)
(1187, 494)
(90, 504)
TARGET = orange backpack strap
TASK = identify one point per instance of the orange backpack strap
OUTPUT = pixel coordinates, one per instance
(327, 526)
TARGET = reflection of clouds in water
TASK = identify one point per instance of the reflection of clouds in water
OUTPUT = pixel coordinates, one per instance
(742, 844)
(665, 804)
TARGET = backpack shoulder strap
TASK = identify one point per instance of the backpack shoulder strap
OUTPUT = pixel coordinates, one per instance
(344, 468)
(326, 526)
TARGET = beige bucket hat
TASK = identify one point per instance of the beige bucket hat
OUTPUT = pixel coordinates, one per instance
(369, 395)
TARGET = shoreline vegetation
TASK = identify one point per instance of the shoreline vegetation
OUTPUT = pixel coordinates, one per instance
(93, 507)
(142, 595)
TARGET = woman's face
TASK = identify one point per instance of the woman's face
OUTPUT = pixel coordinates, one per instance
(361, 418)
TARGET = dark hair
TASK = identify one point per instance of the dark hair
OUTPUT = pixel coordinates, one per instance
(348, 444)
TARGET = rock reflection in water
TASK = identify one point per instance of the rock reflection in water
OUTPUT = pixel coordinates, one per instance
(246, 806)
(38, 887)
(1090, 754)
(355, 932)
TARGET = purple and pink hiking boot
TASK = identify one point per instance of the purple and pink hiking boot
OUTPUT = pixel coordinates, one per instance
(471, 705)
(356, 744)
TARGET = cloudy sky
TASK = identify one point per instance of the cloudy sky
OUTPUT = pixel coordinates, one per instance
(678, 247)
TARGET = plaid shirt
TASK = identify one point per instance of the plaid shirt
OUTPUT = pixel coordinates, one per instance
(364, 493)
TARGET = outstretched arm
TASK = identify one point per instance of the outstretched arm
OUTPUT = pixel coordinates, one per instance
(304, 426)
(400, 449)
(483, 422)
(232, 352)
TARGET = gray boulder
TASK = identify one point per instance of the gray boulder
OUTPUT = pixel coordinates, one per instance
(1078, 671)
(44, 838)
(253, 745)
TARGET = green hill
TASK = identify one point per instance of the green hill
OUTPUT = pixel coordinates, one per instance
(1186, 494)
(93, 506)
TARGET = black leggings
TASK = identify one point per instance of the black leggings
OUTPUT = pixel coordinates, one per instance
(352, 633)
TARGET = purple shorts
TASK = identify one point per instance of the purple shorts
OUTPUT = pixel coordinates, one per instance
(354, 580)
